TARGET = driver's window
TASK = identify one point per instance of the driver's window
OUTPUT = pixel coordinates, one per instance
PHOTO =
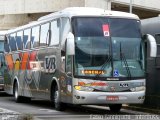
(68, 61)
(65, 29)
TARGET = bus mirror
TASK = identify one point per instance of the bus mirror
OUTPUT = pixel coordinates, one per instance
(152, 44)
(70, 44)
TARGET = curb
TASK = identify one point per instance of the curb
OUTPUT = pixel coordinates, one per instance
(143, 109)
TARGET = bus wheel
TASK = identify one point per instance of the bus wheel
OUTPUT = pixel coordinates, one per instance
(56, 99)
(115, 107)
(15, 92)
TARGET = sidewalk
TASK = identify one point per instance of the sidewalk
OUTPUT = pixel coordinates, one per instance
(8, 114)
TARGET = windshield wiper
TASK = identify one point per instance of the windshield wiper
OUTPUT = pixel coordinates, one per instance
(122, 57)
(104, 64)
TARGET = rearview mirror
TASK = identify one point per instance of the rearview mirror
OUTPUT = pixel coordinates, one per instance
(152, 44)
(70, 44)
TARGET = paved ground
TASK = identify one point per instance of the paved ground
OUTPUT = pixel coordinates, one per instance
(40, 109)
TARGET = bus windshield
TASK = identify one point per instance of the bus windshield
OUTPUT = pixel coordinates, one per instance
(108, 47)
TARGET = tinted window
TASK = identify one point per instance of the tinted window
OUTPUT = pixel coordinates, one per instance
(44, 34)
(19, 40)
(6, 45)
(35, 37)
(26, 38)
(157, 37)
(55, 27)
(124, 28)
(84, 27)
(12, 42)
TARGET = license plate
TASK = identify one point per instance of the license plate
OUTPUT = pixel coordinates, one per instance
(112, 98)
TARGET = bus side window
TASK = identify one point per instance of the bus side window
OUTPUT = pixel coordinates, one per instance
(6, 45)
(55, 30)
(19, 40)
(44, 34)
(12, 42)
(26, 38)
(35, 37)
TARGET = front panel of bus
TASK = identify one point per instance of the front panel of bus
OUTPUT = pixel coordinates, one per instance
(109, 61)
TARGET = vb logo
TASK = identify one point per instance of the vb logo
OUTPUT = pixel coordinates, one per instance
(50, 64)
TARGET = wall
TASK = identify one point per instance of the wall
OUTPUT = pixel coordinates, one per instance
(146, 4)
(15, 13)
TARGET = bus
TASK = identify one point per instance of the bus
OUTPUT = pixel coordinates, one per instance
(152, 26)
(80, 56)
(2, 62)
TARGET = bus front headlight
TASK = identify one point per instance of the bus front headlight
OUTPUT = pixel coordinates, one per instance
(83, 88)
(136, 89)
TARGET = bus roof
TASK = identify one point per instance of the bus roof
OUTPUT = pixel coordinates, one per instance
(3, 32)
(154, 20)
(151, 25)
(2, 35)
(77, 11)
(88, 11)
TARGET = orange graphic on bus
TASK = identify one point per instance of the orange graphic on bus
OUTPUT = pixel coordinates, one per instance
(24, 61)
(9, 60)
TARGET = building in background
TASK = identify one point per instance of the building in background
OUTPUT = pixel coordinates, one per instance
(143, 8)
(15, 13)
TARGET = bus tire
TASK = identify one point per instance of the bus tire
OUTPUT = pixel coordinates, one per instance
(56, 99)
(17, 98)
(115, 107)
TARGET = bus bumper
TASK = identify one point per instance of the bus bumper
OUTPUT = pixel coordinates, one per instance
(82, 97)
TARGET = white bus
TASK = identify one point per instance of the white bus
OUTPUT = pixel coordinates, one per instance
(83, 56)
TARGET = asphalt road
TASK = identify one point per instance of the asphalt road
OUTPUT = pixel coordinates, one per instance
(43, 110)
